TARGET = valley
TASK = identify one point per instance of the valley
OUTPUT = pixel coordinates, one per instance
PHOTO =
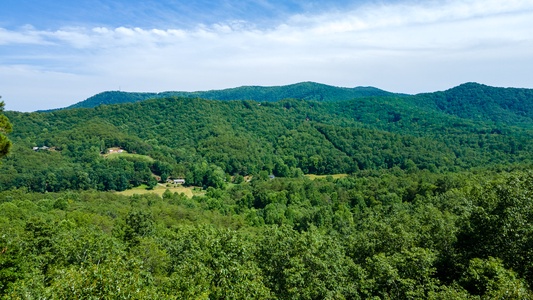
(304, 191)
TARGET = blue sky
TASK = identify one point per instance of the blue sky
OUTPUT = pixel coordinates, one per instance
(55, 53)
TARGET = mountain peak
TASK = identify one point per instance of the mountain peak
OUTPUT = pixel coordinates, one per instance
(477, 101)
(307, 90)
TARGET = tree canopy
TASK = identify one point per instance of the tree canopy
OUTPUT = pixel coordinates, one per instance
(199, 139)
(368, 198)
(5, 128)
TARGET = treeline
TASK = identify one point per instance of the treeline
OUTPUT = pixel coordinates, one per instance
(481, 102)
(49, 171)
(470, 101)
(209, 142)
(382, 234)
(310, 91)
(434, 206)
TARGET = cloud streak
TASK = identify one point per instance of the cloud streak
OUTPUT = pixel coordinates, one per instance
(406, 47)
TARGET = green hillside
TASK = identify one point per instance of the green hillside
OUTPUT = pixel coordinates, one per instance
(471, 101)
(197, 139)
(480, 102)
(434, 201)
(304, 90)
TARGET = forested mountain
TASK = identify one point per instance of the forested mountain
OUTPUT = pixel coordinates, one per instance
(472, 101)
(435, 203)
(193, 138)
(304, 90)
(480, 102)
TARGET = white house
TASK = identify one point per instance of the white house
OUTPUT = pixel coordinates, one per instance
(176, 181)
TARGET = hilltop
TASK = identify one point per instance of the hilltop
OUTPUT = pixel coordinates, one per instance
(426, 197)
(481, 102)
(198, 138)
(304, 90)
(473, 101)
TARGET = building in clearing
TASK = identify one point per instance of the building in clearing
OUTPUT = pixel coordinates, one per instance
(176, 181)
(41, 148)
(115, 150)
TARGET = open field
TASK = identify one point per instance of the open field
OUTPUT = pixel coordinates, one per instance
(118, 152)
(161, 188)
(125, 154)
(335, 176)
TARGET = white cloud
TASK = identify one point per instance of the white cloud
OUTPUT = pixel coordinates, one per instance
(405, 47)
(28, 36)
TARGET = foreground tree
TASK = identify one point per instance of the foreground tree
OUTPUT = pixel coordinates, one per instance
(5, 128)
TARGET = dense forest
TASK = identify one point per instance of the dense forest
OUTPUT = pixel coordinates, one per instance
(208, 141)
(304, 91)
(470, 100)
(411, 197)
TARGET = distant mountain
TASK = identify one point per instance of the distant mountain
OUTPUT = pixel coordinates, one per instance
(474, 101)
(469, 126)
(471, 101)
(303, 91)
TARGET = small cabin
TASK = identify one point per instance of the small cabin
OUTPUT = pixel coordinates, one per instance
(115, 150)
(176, 181)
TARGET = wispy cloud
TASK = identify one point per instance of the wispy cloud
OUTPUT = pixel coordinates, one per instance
(405, 47)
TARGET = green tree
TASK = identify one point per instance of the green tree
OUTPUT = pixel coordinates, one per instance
(307, 265)
(210, 263)
(138, 224)
(500, 224)
(12, 261)
(5, 128)
(489, 279)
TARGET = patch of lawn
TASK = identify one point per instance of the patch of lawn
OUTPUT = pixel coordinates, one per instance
(161, 188)
(335, 176)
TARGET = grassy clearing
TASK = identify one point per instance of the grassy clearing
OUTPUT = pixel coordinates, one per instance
(160, 189)
(335, 176)
(192, 191)
(129, 155)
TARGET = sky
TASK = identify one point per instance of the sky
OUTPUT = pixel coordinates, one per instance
(56, 53)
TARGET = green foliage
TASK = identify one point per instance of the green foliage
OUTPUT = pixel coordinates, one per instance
(12, 262)
(436, 203)
(138, 224)
(408, 274)
(5, 128)
(282, 238)
(480, 102)
(308, 265)
(304, 90)
(117, 279)
(215, 264)
(489, 279)
(204, 141)
(501, 223)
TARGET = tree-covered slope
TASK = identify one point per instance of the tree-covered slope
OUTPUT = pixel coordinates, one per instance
(377, 235)
(473, 101)
(204, 139)
(481, 102)
(304, 90)
(437, 206)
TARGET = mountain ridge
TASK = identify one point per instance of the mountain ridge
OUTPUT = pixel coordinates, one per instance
(465, 127)
(479, 102)
(471, 101)
(303, 90)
